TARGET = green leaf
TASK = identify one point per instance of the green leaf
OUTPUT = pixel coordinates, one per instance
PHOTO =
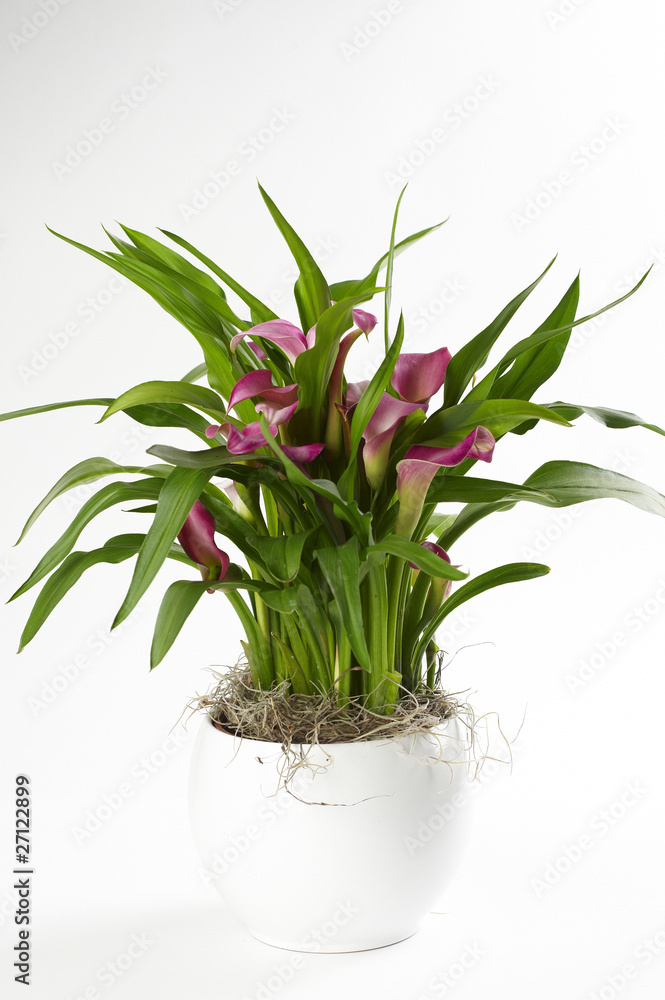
(177, 497)
(152, 251)
(311, 289)
(537, 357)
(349, 512)
(177, 605)
(438, 523)
(448, 426)
(340, 565)
(168, 415)
(425, 560)
(511, 573)
(87, 471)
(116, 550)
(260, 312)
(370, 398)
(470, 358)
(313, 369)
(180, 600)
(575, 482)
(47, 407)
(610, 418)
(560, 484)
(389, 270)
(169, 392)
(365, 286)
(467, 489)
(169, 294)
(208, 458)
(197, 372)
(281, 555)
(107, 496)
(536, 364)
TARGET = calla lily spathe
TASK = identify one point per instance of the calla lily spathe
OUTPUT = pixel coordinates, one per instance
(197, 537)
(417, 377)
(422, 462)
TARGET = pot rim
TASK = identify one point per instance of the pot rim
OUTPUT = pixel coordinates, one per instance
(379, 741)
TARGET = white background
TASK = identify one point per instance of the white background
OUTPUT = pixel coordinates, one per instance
(355, 104)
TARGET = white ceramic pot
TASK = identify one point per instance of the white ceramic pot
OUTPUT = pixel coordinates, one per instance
(358, 863)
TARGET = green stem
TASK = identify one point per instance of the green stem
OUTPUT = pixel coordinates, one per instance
(375, 626)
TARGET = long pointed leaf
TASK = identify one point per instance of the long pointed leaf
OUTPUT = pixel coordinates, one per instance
(178, 494)
(169, 392)
(260, 312)
(87, 471)
(470, 358)
(107, 496)
(511, 573)
(116, 550)
(311, 289)
(340, 565)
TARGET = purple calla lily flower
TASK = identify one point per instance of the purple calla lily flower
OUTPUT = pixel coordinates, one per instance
(260, 353)
(418, 376)
(379, 433)
(276, 414)
(436, 549)
(259, 383)
(289, 338)
(439, 587)
(421, 463)
(242, 441)
(302, 453)
(197, 537)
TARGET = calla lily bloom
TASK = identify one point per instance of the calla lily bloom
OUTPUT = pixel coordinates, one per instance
(259, 383)
(437, 550)
(242, 441)
(439, 587)
(289, 338)
(379, 434)
(421, 463)
(197, 537)
(418, 376)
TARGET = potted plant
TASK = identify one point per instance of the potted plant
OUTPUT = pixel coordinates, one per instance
(331, 492)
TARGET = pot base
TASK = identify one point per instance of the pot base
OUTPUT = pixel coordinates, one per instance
(323, 950)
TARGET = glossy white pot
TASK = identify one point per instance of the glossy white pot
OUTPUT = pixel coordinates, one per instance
(358, 863)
